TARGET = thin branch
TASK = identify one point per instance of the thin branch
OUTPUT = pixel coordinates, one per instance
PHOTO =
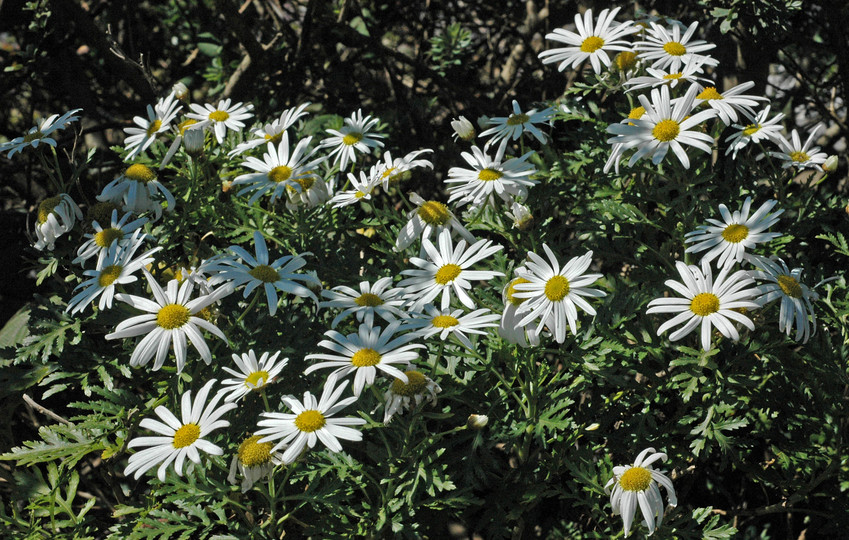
(44, 410)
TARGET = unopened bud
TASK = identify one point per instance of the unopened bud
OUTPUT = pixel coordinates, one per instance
(463, 129)
(193, 142)
(181, 91)
(521, 216)
(830, 164)
(477, 421)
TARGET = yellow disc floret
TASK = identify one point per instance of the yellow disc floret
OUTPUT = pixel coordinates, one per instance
(556, 288)
(105, 237)
(625, 60)
(799, 157)
(264, 273)
(365, 357)
(592, 44)
(253, 453)
(637, 112)
(517, 119)
(751, 129)
(709, 93)
(673, 76)
(635, 479)
(447, 273)
(444, 321)
(735, 233)
(704, 304)
(153, 127)
(185, 124)
(109, 274)
(673, 48)
(304, 182)
(488, 175)
(511, 291)
(219, 116)
(173, 316)
(29, 137)
(140, 173)
(186, 435)
(310, 420)
(46, 207)
(352, 138)
(256, 379)
(415, 385)
(278, 174)
(790, 286)
(274, 139)
(434, 213)
(666, 130)
(368, 300)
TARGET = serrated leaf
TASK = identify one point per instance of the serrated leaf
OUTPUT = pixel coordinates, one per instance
(59, 442)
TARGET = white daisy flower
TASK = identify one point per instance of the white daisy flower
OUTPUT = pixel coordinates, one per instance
(257, 271)
(796, 298)
(272, 133)
(377, 299)
(489, 175)
(427, 218)
(364, 353)
(730, 102)
(119, 231)
(463, 129)
(56, 216)
(178, 439)
(706, 302)
(253, 461)
(40, 133)
(362, 188)
(221, 117)
(657, 77)
(117, 267)
(592, 41)
(667, 47)
(762, 128)
(402, 395)
(138, 190)
(446, 269)
(510, 329)
(637, 486)
(392, 171)
(553, 292)
(170, 319)
(278, 170)
(253, 375)
(730, 238)
(352, 138)
(309, 192)
(803, 156)
(310, 421)
(505, 128)
(158, 120)
(451, 323)
(664, 126)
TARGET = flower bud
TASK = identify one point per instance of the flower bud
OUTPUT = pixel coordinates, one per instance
(181, 91)
(477, 421)
(463, 129)
(830, 164)
(193, 142)
(521, 216)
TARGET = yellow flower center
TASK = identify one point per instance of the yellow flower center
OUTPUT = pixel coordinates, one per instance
(109, 274)
(186, 435)
(359, 194)
(140, 173)
(447, 273)
(799, 157)
(415, 385)
(387, 172)
(704, 304)
(305, 182)
(264, 273)
(517, 119)
(352, 138)
(625, 60)
(666, 130)
(256, 379)
(434, 213)
(637, 112)
(101, 212)
(635, 479)
(154, 127)
(511, 291)
(673, 48)
(365, 358)
(173, 316)
(368, 300)
(444, 321)
(29, 137)
(592, 44)
(105, 237)
(790, 286)
(751, 129)
(709, 93)
(279, 174)
(735, 233)
(673, 76)
(488, 175)
(274, 139)
(46, 207)
(309, 421)
(219, 116)
(253, 453)
(185, 124)
(556, 288)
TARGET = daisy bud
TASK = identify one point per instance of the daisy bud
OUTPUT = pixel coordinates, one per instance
(830, 164)
(181, 91)
(463, 129)
(521, 216)
(193, 142)
(477, 421)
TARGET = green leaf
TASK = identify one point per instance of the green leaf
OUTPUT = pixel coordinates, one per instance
(59, 442)
(15, 329)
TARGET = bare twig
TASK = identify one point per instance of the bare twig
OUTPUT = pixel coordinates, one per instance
(44, 410)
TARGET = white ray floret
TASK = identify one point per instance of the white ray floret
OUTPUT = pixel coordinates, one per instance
(372, 299)
(507, 128)
(402, 395)
(118, 231)
(279, 170)
(488, 176)
(447, 322)
(761, 128)
(636, 486)
(273, 132)
(427, 218)
(158, 121)
(56, 216)
(221, 117)
(667, 47)
(253, 375)
(804, 156)
(355, 136)
(40, 133)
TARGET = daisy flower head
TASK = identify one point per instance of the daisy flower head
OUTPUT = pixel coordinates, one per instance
(222, 117)
(446, 269)
(158, 120)
(664, 126)
(507, 179)
(553, 292)
(372, 299)
(796, 297)
(56, 216)
(255, 271)
(506, 128)
(668, 48)
(169, 320)
(116, 267)
(446, 323)
(707, 302)
(362, 188)
(521, 216)
(308, 191)
(120, 231)
(463, 129)
(804, 156)
(253, 461)
(429, 217)
(392, 171)
(279, 169)
(364, 353)
(138, 190)
(637, 486)
(253, 375)
(311, 420)
(273, 132)
(593, 41)
(40, 133)
(656, 78)
(761, 128)
(730, 238)
(179, 438)
(509, 328)
(355, 136)
(730, 102)
(401, 396)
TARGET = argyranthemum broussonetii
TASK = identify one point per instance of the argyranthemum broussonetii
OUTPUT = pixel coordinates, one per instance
(637, 486)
